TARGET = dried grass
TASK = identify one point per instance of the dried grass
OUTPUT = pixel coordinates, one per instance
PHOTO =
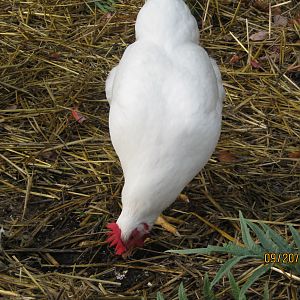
(60, 180)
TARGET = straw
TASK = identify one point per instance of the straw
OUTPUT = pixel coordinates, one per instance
(61, 181)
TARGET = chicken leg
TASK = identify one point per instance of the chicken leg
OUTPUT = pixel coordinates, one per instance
(164, 221)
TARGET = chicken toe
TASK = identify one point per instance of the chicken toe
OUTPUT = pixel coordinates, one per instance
(184, 198)
(161, 220)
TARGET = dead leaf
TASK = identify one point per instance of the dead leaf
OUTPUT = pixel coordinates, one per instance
(280, 20)
(276, 11)
(77, 115)
(11, 107)
(255, 64)
(259, 36)
(262, 5)
(234, 59)
(108, 16)
(228, 38)
(295, 21)
(55, 56)
(226, 156)
(273, 56)
(275, 49)
(294, 154)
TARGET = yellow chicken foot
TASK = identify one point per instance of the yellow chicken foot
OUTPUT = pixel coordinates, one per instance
(161, 220)
(183, 198)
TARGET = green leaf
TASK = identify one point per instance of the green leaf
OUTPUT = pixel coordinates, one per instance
(255, 276)
(296, 267)
(235, 289)
(181, 292)
(280, 242)
(191, 251)
(99, 5)
(159, 296)
(266, 295)
(226, 248)
(226, 268)
(265, 241)
(296, 236)
(247, 239)
(208, 294)
(235, 250)
(105, 7)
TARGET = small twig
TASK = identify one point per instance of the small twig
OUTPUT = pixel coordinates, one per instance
(29, 275)
(27, 195)
(289, 275)
(2, 231)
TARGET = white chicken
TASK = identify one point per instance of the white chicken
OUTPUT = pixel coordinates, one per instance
(165, 116)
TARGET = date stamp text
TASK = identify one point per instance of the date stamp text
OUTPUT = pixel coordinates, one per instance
(281, 258)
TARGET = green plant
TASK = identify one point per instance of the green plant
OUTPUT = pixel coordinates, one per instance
(269, 242)
(181, 294)
(208, 293)
(105, 5)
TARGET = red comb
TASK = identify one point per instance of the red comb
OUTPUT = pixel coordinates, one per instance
(114, 238)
